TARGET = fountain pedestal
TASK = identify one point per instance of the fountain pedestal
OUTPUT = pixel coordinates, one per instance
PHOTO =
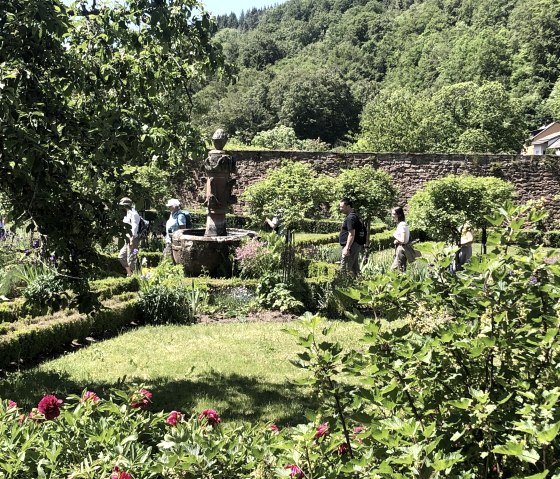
(210, 250)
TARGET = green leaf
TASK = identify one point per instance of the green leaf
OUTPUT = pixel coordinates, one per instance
(548, 434)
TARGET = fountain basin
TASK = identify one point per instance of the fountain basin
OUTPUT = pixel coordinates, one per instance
(210, 255)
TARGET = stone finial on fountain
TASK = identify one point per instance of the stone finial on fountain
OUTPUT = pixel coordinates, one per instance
(219, 139)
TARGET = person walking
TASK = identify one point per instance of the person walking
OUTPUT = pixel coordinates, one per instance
(404, 252)
(178, 220)
(129, 252)
(349, 261)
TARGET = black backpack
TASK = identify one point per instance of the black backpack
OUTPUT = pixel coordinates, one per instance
(143, 228)
(361, 233)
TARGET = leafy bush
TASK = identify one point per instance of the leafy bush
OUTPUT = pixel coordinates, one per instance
(272, 293)
(46, 293)
(465, 383)
(442, 207)
(256, 258)
(371, 190)
(295, 188)
(284, 138)
(161, 303)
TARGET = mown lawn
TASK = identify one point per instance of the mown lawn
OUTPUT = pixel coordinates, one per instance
(243, 370)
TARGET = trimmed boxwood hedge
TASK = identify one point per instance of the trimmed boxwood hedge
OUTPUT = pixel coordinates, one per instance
(52, 334)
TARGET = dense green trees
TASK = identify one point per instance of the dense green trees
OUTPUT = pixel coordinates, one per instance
(93, 103)
(421, 50)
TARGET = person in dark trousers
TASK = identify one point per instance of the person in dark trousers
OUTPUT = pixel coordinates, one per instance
(349, 261)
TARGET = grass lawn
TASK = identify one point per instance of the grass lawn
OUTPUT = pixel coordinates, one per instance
(243, 370)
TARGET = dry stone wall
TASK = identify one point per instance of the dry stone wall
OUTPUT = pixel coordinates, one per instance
(533, 176)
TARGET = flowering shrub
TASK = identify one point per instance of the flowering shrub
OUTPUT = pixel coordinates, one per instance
(256, 258)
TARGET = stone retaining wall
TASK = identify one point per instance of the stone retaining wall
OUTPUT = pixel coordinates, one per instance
(533, 176)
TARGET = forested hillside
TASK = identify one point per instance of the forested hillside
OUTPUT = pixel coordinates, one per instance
(387, 75)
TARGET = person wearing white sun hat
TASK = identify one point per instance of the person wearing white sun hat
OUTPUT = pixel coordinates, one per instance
(178, 220)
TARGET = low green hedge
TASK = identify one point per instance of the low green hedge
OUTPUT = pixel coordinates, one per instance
(323, 270)
(10, 311)
(52, 334)
(109, 287)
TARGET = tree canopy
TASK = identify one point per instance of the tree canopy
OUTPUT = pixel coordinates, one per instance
(90, 96)
(442, 207)
(402, 54)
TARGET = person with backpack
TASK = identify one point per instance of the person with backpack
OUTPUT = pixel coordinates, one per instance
(351, 238)
(178, 220)
(129, 252)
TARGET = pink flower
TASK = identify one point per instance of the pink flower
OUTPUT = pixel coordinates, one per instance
(322, 431)
(49, 406)
(90, 396)
(141, 399)
(12, 404)
(118, 474)
(342, 449)
(274, 428)
(358, 429)
(212, 417)
(173, 418)
(247, 251)
(295, 471)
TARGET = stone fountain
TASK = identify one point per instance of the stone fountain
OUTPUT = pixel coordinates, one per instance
(210, 250)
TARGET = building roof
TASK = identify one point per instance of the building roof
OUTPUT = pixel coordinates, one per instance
(547, 139)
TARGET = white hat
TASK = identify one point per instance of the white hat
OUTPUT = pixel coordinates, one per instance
(173, 202)
(125, 201)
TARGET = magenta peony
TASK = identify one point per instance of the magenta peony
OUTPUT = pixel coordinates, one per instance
(173, 418)
(141, 399)
(118, 474)
(342, 449)
(322, 431)
(12, 404)
(211, 416)
(295, 471)
(49, 406)
(90, 396)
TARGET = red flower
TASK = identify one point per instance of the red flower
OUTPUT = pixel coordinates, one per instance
(212, 417)
(49, 406)
(322, 430)
(173, 418)
(274, 428)
(90, 396)
(118, 474)
(342, 449)
(12, 404)
(142, 399)
(295, 471)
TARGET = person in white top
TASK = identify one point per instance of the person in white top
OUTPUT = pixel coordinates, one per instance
(129, 252)
(402, 238)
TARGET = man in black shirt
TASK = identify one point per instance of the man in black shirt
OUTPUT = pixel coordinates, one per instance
(349, 263)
